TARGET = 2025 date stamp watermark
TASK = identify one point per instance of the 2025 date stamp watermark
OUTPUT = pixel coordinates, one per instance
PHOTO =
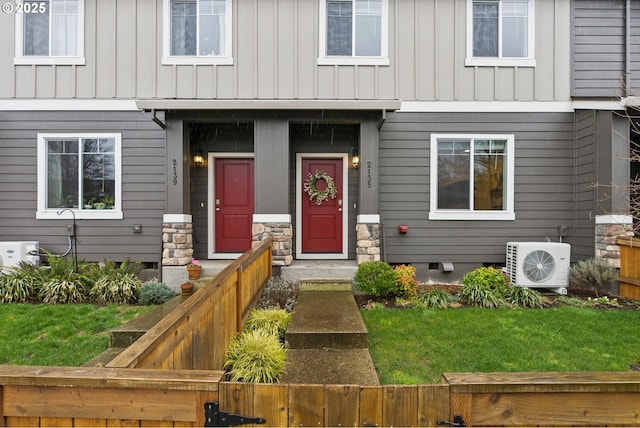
(24, 7)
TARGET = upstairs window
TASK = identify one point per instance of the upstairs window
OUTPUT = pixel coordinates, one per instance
(353, 32)
(50, 32)
(81, 173)
(199, 31)
(472, 177)
(500, 32)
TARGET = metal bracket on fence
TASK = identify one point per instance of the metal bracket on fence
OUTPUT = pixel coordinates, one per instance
(457, 422)
(215, 418)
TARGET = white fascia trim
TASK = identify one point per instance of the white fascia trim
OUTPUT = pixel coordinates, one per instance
(368, 219)
(614, 219)
(177, 218)
(487, 106)
(67, 105)
(272, 218)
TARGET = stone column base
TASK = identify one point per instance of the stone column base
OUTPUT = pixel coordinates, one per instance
(367, 242)
(282, 235)
(608, 228)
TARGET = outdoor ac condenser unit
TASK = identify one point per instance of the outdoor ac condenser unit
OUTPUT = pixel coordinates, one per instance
(539, 265)
(12, 253)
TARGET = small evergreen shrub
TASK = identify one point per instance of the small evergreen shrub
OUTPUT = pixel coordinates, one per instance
(591, 273)
(377, 278)
(524, 297)
(273, 321)
(278, 294)
(115, 283)
(479, 295)
(406, 279)
(155, 293)
(435, 298)
(489, 278)
(255, 356)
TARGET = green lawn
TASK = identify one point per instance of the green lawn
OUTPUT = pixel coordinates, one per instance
(415, 346)
(60, 335)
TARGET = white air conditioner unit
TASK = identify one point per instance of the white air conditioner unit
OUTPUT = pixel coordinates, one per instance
(539, 265)
(12, 253)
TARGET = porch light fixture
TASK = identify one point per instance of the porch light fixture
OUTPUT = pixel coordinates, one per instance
(198, 159)
(355, 161)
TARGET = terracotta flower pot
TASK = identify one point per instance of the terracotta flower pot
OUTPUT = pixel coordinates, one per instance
(194, 271)
(187, 288)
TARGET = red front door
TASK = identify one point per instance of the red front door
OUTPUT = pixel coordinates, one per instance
(322, 223)
(233, 204)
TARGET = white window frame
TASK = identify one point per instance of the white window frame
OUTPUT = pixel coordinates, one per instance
(52, 213)
(22, 59)
(448, 214)
(168, 59)
(529, 61)
(324, 59)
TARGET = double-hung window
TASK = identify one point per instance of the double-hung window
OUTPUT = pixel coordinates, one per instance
(50, 32)
(353, 32)
(500, 32)
(79, 172)
(197, 31)
(472, 177)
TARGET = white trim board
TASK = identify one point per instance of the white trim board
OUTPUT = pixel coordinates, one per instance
(67, 105)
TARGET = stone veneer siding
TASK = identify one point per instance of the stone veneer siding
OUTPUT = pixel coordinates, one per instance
(177, 244)
(605, 242)
(282, 235)
(367, 242)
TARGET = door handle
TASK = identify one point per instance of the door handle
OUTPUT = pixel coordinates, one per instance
(217, 208)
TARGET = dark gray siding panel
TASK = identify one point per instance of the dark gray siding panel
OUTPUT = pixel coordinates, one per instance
(584, 242)
(598, 44)
(544, 186)
(143, 184)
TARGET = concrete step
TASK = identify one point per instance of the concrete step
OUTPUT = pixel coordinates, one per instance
(329, 367)
(336, 270)
(325, 285)
(326, 319)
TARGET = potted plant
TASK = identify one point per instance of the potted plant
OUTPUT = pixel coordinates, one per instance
(186, 288)
(193, 269)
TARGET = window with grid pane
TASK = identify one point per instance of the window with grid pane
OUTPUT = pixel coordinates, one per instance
(501, 28)
(54, 31)
(198, 28)
(354, 28)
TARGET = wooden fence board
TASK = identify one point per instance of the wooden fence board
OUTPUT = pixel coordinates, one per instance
(306, 406)
(93, 422)
(237, 398)
(270, 402)
(433, 404)
(557, 409)
(370, 406)
(101, 403)
(342, 405)
(400, 405)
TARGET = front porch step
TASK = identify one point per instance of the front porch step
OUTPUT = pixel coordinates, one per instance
(326, 320)
(336, 270)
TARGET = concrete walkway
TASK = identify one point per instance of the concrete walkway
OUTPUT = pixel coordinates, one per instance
(327, 340)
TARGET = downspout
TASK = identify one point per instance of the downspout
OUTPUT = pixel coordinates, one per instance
(627, 49)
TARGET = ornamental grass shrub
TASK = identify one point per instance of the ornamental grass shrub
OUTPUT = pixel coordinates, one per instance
(20, 284)
(278, 294)
(434, 298)
(377, 278)
(65, 281)
(273, 321)
(115, 283)
(255, 356)
(524, 297)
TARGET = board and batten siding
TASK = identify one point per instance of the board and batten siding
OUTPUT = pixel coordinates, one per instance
(599, 48)
(275, 52)
(143, 185)
(544, 187)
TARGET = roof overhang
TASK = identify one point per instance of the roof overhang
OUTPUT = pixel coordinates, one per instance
(191, 104)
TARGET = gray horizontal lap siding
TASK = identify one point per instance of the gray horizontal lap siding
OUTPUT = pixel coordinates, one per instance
(143, 184)
(544, 186)
(598, 45)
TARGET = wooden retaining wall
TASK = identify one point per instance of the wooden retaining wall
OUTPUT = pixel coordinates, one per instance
(196, 334)
(101, 397)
